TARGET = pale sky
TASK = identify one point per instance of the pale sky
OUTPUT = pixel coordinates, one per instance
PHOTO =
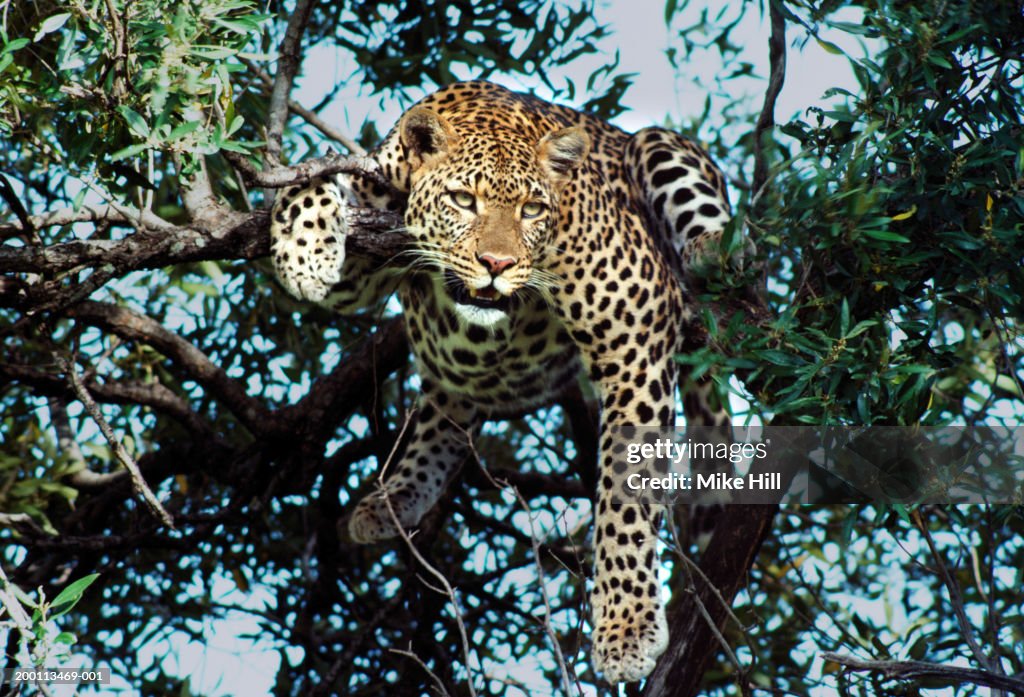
(641, 37)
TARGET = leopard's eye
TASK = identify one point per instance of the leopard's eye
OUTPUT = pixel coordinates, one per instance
(464, 199)
(532, 209)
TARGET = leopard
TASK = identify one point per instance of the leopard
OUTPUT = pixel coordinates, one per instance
(550, 248)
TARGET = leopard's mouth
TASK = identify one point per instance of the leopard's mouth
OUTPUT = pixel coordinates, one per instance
(489, 297)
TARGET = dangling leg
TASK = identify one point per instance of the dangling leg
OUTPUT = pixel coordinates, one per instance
(440, 443)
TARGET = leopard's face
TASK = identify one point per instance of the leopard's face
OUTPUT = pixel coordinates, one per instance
(484, 209)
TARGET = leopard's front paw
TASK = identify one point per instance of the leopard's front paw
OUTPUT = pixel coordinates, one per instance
(627, 649)
(705, 254)
(307, 239)
(374, 520)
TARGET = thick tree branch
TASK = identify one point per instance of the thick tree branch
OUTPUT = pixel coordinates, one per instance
(204, 210)
(777, 75)
(88, 214)
(288, 62)
(917, 670)
(276, 176)
(741, 529)
(154, 395)
(248, 238)
(135, 327)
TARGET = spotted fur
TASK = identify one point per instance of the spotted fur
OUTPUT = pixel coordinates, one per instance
(550, 244)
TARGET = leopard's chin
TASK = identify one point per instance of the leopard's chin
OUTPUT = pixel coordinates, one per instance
(481, 316)
(487, 298)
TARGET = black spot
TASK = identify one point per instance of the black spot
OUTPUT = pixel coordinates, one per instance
(663, 177)
(656, 158)
(682, 196)
(464, 357)
(645, 413)
(684, 219)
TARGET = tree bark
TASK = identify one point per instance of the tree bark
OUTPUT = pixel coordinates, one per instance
(738, 536)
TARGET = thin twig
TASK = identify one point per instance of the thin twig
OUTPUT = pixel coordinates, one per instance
(310, 117)
(138, 482)
(915, 670)
(419, 661)
(407, 538)
(568, 676)
(955, 599)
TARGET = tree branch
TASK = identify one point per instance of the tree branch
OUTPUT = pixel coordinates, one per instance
(741, 529)
(138, 482)
(777, 75)
(247, 238)
(276, 176)
(135, 327)
(310, 117)
(955, 598)
(154, 395)
(288, 62)
(916, 670)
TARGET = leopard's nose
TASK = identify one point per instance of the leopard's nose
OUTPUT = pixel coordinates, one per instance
(495, 265)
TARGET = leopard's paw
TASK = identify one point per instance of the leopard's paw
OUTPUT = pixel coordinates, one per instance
(307, 239)
(627, 650)
(373, 520)
(705, 254)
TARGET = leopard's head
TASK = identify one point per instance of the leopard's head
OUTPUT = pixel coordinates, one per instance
(484, 205)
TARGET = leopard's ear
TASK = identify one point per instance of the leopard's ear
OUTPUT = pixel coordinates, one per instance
(426, 137)
(562, 152)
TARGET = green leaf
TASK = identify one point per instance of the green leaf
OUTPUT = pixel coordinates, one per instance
(861, 327)
(51, 24)
(901, 511)
(66, 638)
(670, 10)
(15, 45)
(181, 130)
(130, 151)
(212, 52)
(780, 357)
(136, 123)
(885, 236)
(23, 597)
(830, 47)
(70, 596)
